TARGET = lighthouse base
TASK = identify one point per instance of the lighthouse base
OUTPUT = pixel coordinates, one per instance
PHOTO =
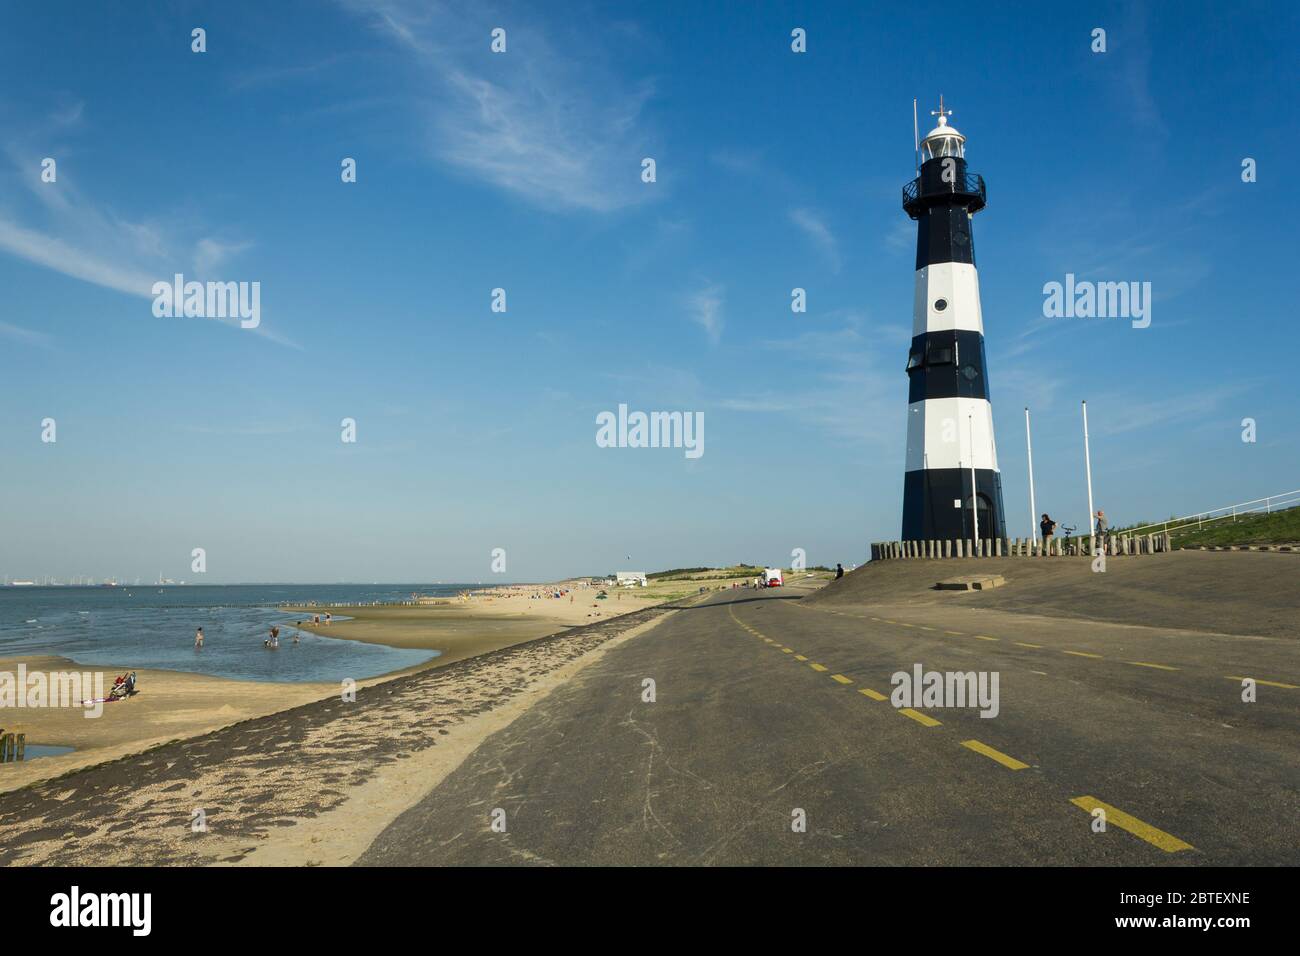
(937, 504)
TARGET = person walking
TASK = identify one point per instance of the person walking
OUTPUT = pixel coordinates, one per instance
(198, 639)
(1048, 527)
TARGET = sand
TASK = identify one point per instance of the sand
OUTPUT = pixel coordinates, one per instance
(170, 705)
(486, 621)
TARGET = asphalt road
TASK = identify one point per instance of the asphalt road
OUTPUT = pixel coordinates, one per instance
(766, 711)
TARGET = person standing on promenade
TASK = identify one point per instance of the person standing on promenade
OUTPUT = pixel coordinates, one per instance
(1048, 527)
(839, 570)
(1103, 527)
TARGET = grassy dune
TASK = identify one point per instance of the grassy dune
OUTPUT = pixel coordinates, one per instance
(1280, 527)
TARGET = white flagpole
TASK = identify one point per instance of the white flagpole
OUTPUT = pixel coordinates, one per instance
(1087, 464)
(974, 489)
(1033, 511)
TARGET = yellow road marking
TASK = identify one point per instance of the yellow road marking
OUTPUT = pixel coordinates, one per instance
(1036, 647)
(888, 621)
(905, 624)
(924, 628)
(787, 650)
(841, 678)
(992, 754)
(874, 695)
(958, 633)
(985, 637)
(1266, 683)
(1159, 667)
(1143, 831)
(818, 667)
(919, 717)
(1082, 654)
(800, 657)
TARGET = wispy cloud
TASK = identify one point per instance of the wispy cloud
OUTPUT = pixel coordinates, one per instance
(558, 130)
(60, 229)
(705, 308)
(1130, 411)
(25, 336)
(820, 234)
(840, 385)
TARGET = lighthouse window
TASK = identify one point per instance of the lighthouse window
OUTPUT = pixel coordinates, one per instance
(915, 359)
(940, 304)
(940, 355)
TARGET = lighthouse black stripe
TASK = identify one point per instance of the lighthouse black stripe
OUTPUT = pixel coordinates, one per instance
(930, 515)
(943, 234)
(947, 364)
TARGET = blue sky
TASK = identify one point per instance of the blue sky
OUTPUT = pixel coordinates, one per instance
(522, 170)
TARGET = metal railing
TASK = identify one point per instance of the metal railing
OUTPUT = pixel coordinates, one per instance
(1268, 505)
(968, 185)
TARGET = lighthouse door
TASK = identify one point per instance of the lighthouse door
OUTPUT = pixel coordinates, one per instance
(985, 515)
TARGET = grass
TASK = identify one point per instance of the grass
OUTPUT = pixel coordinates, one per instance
(1280, 527)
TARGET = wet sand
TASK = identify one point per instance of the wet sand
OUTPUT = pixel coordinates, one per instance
(460, 630)
(170, 705)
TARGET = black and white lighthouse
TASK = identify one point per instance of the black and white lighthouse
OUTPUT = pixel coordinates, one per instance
(952, 485)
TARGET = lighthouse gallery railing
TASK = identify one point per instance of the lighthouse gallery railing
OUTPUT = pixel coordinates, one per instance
(967, 185)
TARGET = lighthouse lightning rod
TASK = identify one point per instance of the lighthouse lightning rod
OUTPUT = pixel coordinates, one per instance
(916, 138)
(1033, 512)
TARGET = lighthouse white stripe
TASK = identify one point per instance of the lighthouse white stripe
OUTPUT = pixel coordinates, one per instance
(939, 434)
(958, 284)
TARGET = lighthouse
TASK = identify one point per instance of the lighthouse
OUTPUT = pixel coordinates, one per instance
(952, 485)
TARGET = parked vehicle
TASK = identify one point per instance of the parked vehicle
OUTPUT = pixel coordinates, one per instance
(772, 578)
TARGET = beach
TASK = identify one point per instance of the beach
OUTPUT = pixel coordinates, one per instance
(171, 705)
(175, 705)
(480, 621)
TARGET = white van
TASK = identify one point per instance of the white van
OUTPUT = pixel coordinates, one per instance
(772, 578)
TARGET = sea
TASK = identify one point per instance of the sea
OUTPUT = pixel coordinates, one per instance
(152, 627)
